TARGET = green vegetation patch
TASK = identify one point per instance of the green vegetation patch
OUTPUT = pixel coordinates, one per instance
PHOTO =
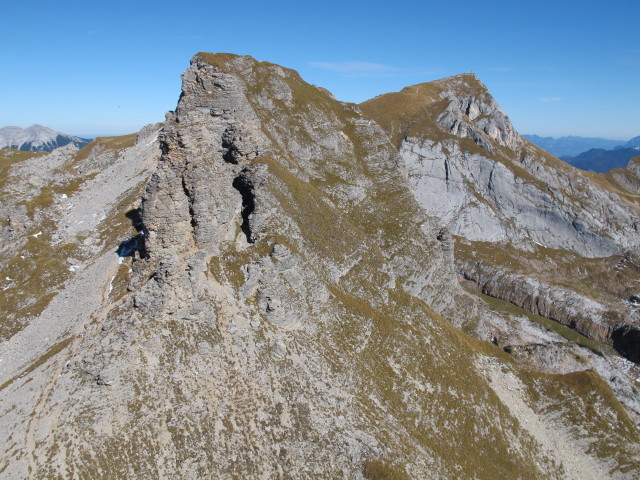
(609, 182)
(101, 145)
(219, 60)
(417, 367)
(607, 280)
(567, 333)
(47, 194)
(322, 226)
(10, 157)
(411, 111)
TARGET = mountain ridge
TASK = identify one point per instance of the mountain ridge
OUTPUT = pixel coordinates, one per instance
(535, 207)
(492, 136)
(601, 161)
(294, 312)
(571, 145)
(37, 138)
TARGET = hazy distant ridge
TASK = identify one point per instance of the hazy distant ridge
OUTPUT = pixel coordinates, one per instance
(571, 145)
(602, 161)
(37, 138)
(634, 142)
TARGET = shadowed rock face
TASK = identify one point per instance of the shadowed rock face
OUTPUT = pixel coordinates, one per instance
(626, 340)
(294, 317)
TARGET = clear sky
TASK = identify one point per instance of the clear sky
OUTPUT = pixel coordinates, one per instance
(562, 67)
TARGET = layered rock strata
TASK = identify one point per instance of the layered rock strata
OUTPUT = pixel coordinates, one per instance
(498, 187)
(469, 167)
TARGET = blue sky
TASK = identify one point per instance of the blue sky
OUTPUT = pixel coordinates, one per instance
(557, 68)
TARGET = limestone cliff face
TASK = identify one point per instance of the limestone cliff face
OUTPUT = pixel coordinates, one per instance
(500, 187)
(593, 319)
(291, 315)
(469, 167)
(487, 200)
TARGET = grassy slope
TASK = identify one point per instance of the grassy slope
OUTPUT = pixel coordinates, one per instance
(10, 157)
(611, 182)
(40, 268)
(393, 321)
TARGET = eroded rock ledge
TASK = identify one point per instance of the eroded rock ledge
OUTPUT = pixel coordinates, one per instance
(618, 327)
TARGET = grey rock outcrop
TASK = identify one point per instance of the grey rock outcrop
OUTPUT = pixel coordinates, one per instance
(563, 305)
(507, 190)
(480, 119)
(628, 177)
(501, 189)
(483, 199)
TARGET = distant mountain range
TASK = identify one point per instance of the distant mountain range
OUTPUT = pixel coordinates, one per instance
(594, 154)
(570, 145)
(602, 161)
(634, 142)
(37, 138)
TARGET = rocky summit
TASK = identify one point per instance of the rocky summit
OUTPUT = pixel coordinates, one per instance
(275, 284)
